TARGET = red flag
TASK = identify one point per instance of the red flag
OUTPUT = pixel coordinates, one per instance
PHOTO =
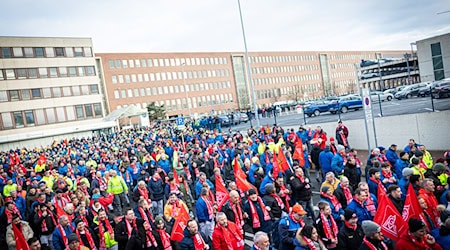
(389, 219)
(276, 165)
(59, 211)
(412, 207)
(243, 185)
(180, 224)
(381, 190)
(238, 170)
(21, 244)
(298, 153)
(222, 194)
(283, 161)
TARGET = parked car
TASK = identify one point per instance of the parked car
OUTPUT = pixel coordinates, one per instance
(225, 120)
(346, 103)
(409, 91)
(240, 117)
(426, 90)
(317, 107)
(369, 75)
(383, 96)
(442, 89)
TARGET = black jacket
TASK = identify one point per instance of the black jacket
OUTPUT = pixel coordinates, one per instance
(228, 210)
(398, 203)
(301, 190)
(275, 209)
(349, 239)
(188, 243)
(339, 194)
(351, 173)
(121, 233)
(156, 189)
(315, 152)
(138, 240)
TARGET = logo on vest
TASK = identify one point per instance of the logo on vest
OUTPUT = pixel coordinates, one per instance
(390, 226)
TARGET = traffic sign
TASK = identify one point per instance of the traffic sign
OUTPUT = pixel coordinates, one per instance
(367, 104)
(180, 123)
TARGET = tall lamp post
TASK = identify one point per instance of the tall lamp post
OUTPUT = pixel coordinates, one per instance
(248, 67)
(186, 89)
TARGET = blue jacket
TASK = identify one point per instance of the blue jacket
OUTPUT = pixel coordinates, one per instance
(267, 180)
(165, 164)
(188, 243)
(373, 187)
(325, 159)
(202, 211)
(403, 183)
(337, 164)
(287, 229)
(304, 136)
(361, 211)
(392, 156)
(444, 239)
(399, 166)
(21, 205)
(198, 187)
(58, 242)
(251, 173)
(336, 214)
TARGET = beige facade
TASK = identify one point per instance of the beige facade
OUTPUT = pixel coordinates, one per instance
(47, 85)
(219, 82)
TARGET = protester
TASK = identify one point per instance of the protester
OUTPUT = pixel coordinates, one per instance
(307, 238)
(226, 234)
(416, 237)
(61, 233)
(289, 225)
(373, 237)
(259, 217)
(350, 235)
(22, 227)
(194, 239)
(442, 235)
(344, 193)
(359, 206)
(261, 241)
(326, 226)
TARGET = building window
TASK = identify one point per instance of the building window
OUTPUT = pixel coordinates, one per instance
(49, 52)
(66, 91)
(13, 95)
(36, 93)
(47, 93)
(29, 117)
(21, 73)
(125, 64)
(144, 63)
(56, 92)
(90, 70)
(120, 78)
(18, 119)
(62, 71)
(28, 52)
(51, 118)
(7, 121)
(94, 88)
(85, 89)
(6, 53)
(114, 79)
(80, 112)
(123, 93)
(69, 51)
(60, 114)
(118, 64)
(131, 63)
(72, 71)
(70, 113)
(438, 65)
(87, 52)
(98, 109)
(39, 52)
(25, 93)
(76, 90)
(116, 94)
(3, 96)
(80, 71)
(53, 72)
(10, 74)
(59, 51)
(111, 64)
(78, 52)
(89, 111)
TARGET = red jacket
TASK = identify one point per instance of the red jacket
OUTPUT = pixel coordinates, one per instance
(406, 242)
(218, 239)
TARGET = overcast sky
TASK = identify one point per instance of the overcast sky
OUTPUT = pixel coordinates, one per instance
(214, 25)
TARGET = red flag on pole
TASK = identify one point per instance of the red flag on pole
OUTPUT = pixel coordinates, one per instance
(412, 207)
(243, 185)
(284, 163)
(276, 165)
(180, 224)
(222, 194)
(238, 170)
(298, 153)
(389, 219)
(21, 244)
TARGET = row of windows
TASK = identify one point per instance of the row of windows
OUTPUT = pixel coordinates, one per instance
(37, 117)
(343, 74)
(54, 92)
(342, 65)
(298, 90)
(283, 69)
(193, 102)
(165, 62)
(40, 52)
(278, 59)
(351, 57)
(129, 93)
(286, 79)
(344, 84)
(52, 72)
(163, 76)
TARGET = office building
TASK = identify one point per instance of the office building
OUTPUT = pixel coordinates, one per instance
(49, 87)
(434, 57)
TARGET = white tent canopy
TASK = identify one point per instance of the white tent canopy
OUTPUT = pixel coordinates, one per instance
(125, 112)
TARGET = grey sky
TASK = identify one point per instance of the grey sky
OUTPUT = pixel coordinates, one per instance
(214, 25)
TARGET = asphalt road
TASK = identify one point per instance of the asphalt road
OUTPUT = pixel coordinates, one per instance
(388, 108)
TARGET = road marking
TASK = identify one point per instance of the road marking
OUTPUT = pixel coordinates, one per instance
(432, 110)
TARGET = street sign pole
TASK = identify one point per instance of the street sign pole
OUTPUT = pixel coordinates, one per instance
(365, 116)
(181, 126)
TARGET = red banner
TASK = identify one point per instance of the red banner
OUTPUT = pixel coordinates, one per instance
(21, 244)
(180, 225)
(389, 219)
(276, 165)
(412, 207)
(298, 152)
(222, 194)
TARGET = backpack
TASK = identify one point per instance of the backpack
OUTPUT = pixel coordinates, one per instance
(276, 233)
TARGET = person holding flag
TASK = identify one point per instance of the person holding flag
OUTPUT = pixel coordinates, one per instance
(194, 239)
(17, 234)
(173, 206)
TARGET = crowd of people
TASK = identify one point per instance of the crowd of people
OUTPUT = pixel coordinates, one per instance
(149, 188)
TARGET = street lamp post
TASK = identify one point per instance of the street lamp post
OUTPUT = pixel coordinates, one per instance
(186, 89)
(248, 67)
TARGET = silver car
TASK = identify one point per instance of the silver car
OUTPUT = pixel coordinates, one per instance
(376, 96)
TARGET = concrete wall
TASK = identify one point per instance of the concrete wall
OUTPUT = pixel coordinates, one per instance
(430, 129)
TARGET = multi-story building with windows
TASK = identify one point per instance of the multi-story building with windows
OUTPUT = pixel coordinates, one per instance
(199, 83)
(49, 87)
